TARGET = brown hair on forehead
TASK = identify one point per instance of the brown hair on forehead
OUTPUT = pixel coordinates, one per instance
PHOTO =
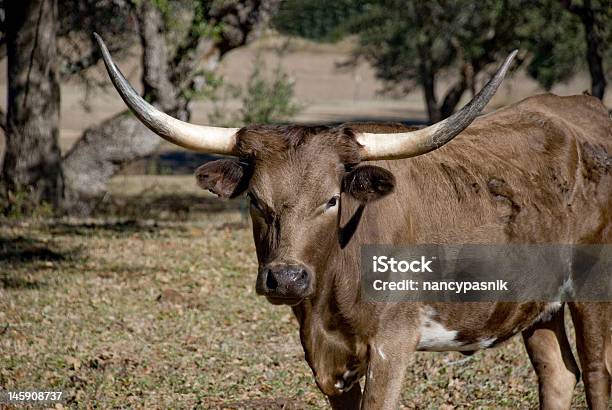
(263, 142)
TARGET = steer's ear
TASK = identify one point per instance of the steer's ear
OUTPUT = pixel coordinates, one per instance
(226, 178)
(368, 183)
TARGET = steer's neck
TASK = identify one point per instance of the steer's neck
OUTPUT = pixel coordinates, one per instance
(336, 324)
(383, 222)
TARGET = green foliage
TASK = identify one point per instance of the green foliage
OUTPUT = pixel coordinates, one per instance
(201, 27)
(268, 101)
(426, 37)
(319, 20)
(187, 18)
(263, 100)
(411, 42)
(162, 5)
(555, 39)
(208, 86)
(399, 37)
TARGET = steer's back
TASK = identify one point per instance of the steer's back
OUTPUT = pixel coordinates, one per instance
(539, 171)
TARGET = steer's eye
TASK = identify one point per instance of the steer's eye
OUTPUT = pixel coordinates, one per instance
(332, 202)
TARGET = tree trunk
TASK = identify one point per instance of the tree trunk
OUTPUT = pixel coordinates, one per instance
(598, 79)
(428, 82)
(452, 98)
(594, 45)
(32, 161)
(438, 112)
(466, 81)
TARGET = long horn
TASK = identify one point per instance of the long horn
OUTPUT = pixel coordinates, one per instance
(201, 138)
(413, 143)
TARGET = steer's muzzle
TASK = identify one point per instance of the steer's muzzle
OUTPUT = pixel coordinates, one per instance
(284, 283)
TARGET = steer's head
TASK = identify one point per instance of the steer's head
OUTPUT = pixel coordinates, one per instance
(293, 177)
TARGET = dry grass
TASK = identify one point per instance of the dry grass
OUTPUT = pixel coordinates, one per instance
(161, 313)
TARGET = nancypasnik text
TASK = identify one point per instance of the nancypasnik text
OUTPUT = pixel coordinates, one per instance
(383, 264)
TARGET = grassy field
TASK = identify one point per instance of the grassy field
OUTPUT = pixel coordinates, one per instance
(159, 311)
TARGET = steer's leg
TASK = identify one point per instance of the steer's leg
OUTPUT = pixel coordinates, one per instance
(592, 322)
(553, 361)
(388, 358)
(347, 401)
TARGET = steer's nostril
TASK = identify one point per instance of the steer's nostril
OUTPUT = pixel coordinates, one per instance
(271, 282)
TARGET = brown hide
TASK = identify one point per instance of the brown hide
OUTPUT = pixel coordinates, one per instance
(538, 171)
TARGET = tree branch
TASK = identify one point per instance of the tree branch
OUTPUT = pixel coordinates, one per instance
(232, 24)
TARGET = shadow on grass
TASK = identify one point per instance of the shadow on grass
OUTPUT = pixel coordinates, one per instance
(192, 203)
(173, 162)
(17, 252)
(166, 206)
(129, 226)
(23, 249)
(9, 282)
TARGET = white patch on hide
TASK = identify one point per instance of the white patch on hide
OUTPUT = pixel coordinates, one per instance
(433, 335)
(482, 343)
(437, 338)
(488, 342)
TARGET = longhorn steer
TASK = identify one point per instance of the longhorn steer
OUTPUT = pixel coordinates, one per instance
(538, 172)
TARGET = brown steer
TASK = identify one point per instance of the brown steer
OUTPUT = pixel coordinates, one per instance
(537, 172)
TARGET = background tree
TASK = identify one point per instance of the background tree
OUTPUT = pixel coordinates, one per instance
(418, 43)
(32, 160)
(176, 60)
(596, 17)
(181, 41)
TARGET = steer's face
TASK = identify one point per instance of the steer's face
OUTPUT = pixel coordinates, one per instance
(293, 178)
(294, 201)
